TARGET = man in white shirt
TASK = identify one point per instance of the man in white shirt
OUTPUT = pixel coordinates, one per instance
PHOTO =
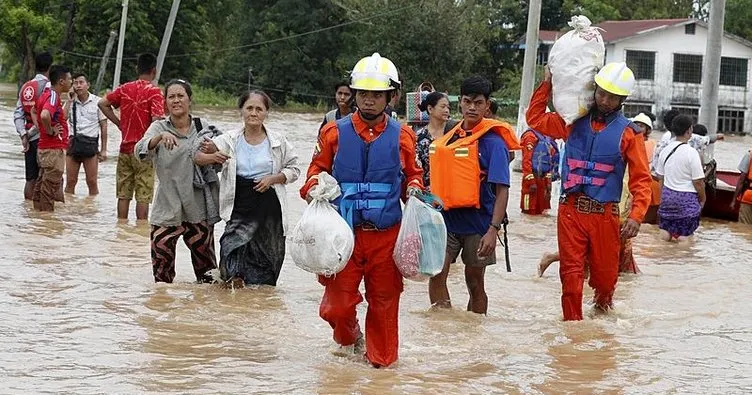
(88, 126)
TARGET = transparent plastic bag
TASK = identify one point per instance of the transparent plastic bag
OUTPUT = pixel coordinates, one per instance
(322, 242)
(421, 243)
(574, 59)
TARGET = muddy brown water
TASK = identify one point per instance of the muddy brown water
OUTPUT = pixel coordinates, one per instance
(80, 312)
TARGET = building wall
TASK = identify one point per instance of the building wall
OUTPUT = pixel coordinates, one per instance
(662, 92)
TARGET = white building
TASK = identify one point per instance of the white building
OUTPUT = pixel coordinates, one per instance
(666, 56)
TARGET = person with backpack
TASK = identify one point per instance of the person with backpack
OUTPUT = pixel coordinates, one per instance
(540, 165)
(682, 178)
(181, 208)
(26, 122)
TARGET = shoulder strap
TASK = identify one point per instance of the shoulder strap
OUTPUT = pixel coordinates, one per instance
(672, 152)
(197, 123)
(73, 110)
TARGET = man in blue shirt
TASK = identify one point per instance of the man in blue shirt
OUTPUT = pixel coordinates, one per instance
(472, 232)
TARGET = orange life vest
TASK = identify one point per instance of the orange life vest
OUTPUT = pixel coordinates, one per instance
(747, 194)
(455, 169)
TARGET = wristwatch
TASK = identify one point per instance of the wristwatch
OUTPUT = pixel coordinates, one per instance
(496, 226)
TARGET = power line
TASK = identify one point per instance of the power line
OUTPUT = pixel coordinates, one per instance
(256, 44)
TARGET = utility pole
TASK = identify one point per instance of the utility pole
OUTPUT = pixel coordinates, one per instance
(103, 65)
(528, 68)
(166, 38)
(121, 42)
(711, 68)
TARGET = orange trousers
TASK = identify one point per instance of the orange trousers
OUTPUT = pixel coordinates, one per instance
(593, 238)
(372, 260)
(535, 202)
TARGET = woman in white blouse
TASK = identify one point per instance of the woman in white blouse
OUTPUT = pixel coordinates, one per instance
(257, 163)
(679, 169)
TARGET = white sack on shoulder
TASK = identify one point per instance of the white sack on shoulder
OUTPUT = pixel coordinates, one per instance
(574, 60)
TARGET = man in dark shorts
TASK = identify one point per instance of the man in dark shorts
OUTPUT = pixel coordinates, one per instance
(25, 119)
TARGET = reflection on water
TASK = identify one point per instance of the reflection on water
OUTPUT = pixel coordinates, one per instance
(82, 315)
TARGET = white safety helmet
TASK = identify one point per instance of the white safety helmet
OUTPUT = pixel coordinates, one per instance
(642, 118)
(616, 78)
(374, 73)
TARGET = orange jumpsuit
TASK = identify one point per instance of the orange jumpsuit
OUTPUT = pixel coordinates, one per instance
(371, 258)
(651, 217)
(533, 202)
(591, 237)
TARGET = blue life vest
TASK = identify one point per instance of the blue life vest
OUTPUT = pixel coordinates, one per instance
(369, 175)
(545, 155)
(593, 164)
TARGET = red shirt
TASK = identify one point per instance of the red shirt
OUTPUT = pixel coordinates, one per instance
(139, 102)
(632, 147)
(50, 101)
(326, 148)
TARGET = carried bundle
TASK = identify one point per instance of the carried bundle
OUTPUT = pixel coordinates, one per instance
(574, 60)
(413, 100)
(322, 242)
(421, 243)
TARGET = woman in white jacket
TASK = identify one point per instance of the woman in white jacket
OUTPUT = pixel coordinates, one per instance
(257, 163)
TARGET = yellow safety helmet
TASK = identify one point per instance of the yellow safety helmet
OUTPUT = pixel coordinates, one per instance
(374, 73)
(616, 78)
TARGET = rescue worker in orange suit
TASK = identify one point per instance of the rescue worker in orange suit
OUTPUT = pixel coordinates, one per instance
(743, 192)
(600, 146)
(470, 174)
(645, 123)
(372, 157)
(540, 158)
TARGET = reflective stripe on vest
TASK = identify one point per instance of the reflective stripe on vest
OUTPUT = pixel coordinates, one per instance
(348, 204)
(369, 175)
(594, 165)
(455, 167)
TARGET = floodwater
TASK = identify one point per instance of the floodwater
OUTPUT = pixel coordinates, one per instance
(80, 312)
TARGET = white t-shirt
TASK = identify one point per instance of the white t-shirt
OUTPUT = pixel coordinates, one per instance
(683, 167)
(88, 116)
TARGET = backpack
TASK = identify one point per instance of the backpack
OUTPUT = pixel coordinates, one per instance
(545, 155)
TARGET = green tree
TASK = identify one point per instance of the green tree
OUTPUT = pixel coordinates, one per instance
(738, 15)
(28, 26)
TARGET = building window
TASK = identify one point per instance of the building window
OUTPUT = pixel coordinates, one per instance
(687, 68)
(733, 71)
(632, 109)
(642, 64)
(543, 55)
(693, 112)
(731, 121)
(689, 29)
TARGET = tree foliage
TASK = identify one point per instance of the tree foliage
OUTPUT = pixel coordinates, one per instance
(298, 49)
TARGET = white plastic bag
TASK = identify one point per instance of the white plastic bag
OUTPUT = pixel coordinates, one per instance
(322, 242)
(574, 60)
(421, 243)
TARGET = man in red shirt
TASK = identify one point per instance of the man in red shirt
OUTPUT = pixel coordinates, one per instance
(140, 103)
(372, 157)
(53, 140)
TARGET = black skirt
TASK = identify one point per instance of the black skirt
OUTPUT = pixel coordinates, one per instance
(253, 245)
